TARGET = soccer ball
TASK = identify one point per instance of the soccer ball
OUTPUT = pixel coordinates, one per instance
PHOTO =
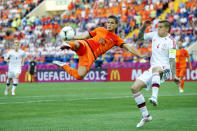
(67, 33)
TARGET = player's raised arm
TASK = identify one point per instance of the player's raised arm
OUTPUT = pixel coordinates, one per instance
(142, 30)
(7, 57)
(132, 50)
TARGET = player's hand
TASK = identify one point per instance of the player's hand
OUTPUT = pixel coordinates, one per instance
(147, 23)
(177, 81)
(65, 46)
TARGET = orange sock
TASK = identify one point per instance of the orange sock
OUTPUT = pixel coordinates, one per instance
(72, 72)
(182, 84)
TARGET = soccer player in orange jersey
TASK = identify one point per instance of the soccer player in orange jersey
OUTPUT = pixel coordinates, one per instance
(181, 65)
(89, 46)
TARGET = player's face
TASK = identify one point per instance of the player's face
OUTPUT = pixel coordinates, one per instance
(162, 30)
(111, 25)
(180, 45)
(16, 45)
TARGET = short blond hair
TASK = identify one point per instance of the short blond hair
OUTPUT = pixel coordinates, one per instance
(16, 41)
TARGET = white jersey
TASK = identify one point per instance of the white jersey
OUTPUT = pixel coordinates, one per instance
(15, 59)
(160, 49)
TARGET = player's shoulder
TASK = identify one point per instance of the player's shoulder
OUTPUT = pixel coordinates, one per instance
(171, 38)
(101, 28)
(153, 33)
(185, 50)
(172, 41)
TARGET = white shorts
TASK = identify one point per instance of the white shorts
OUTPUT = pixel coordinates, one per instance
(13, 73)
(146, 77)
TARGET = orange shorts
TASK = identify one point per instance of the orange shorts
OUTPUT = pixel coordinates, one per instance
(180, 72)
(86, 57)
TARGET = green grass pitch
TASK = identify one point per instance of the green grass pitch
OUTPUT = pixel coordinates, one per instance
(96, 106)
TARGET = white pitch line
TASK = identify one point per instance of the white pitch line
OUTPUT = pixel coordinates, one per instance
(77, 99)
(37, 101)
(50, 96)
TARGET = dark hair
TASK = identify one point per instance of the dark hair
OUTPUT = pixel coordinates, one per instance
(166, 24)
(113, 17)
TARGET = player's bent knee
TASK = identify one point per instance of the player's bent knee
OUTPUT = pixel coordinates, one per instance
(82, 71)
(156, 69)
(134, 89)
(82, 75)
(16, 77)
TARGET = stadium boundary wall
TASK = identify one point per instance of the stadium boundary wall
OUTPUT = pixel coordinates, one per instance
(95, 75)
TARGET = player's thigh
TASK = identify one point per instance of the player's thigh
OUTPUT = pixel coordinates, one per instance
(182, 72)
(157, 69)
(178, 72)
(146, 77)
(17, 74)
(11, 74)
(138, 86)
(86, 60)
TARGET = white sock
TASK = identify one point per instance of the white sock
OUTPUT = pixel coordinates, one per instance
(140, 101)
(15, 82)
(7, 85)
(155, 84)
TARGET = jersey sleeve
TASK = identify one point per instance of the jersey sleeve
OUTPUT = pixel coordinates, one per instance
(7, 55)
(172, 48)
(149, 36)
(120, 42)
(93, 33)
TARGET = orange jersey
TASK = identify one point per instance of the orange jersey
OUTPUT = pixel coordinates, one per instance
(181, 55)
(102, 40)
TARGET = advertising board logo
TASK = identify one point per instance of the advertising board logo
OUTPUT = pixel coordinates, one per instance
(115, 75)
(28, 77)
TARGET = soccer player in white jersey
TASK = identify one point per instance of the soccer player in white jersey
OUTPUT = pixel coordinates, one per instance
(162, 62)
(15, 59)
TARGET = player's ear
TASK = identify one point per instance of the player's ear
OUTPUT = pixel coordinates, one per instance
(116, 25)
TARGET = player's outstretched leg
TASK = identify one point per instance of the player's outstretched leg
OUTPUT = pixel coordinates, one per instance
(140, 101)
(77, 74)
(82, 51)
(7, 86)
